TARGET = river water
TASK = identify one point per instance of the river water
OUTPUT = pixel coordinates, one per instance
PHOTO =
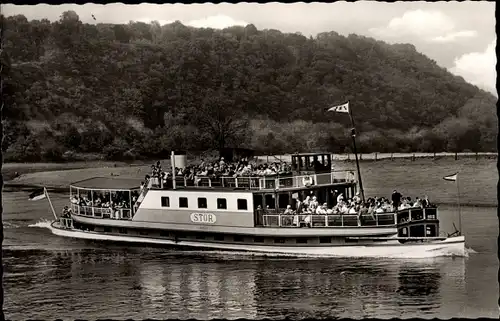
(48, 277)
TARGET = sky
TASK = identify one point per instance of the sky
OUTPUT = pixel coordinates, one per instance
(459, 36)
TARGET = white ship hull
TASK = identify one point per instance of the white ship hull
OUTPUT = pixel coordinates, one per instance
(454, 246)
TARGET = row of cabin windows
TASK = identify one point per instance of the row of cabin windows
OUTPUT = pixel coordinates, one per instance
(202, 203)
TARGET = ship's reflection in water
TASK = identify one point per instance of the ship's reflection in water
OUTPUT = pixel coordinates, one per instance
(143, 283)
(361, 289)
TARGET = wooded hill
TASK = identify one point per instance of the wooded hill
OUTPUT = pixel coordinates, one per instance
(140, 90)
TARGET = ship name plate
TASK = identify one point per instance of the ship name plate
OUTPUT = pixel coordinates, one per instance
(203, 218)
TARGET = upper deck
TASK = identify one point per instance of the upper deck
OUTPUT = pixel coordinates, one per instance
(107, 183)
(275, 182)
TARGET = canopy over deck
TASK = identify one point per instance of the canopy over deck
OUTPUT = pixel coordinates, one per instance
(107, 183)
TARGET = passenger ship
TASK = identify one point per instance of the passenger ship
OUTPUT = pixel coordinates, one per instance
(246, 214)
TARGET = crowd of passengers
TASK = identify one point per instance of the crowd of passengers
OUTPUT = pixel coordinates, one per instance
(119, 200)
(216, 169)
(355, 205)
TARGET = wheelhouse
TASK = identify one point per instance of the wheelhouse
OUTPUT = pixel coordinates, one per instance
(418, 222)
(104, 197)
(311, 163)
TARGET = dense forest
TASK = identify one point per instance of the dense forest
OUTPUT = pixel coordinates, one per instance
(141, 90)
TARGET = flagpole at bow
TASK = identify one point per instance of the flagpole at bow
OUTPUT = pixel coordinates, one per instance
(454, 178)
(50, 202)
(346, 109)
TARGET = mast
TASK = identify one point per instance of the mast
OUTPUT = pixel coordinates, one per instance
(172, 162)
(353, 135)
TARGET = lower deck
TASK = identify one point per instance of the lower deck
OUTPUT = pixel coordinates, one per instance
(387, 247)
(226, 238)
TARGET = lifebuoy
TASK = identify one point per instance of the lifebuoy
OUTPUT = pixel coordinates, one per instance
(307, 180)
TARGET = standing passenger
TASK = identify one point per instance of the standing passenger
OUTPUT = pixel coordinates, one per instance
(340, 198)
(396, 199)
(335, 195)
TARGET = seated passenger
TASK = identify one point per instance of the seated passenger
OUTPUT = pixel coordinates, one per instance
(418, 203)
(65, 212)
(307, 201)
(356, 199)
(363, 209)
(314, 203)
(321, 210)
(426, 202)
(288, 210)
(404, 204)
(387, 207)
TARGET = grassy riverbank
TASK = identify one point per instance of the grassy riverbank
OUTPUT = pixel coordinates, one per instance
(477, 178)
(9, 169)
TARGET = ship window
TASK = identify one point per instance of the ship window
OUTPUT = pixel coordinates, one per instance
(258, 239)
(122, 230)
(143, 233)
(221, 204)
(200, 237)
(164, 234)
(280, 240)
(242, 204)
(202, 202)
(430, 230)
(302, 240)
(219, 237)
(325, 240)
(183, 202)
(107, 229)
(165, 201)
(238, 238)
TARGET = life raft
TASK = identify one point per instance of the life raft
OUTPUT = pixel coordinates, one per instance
(307, 180)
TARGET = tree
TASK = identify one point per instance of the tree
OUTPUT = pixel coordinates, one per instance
(232, 87)
(222, 124)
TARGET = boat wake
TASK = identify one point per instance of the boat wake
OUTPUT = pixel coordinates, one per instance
(9, 225)
(236, 255)
(470, 250)
(44, 223)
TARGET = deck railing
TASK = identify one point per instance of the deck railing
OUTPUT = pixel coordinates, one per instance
(319, 220)
(66, 223)
(102, 212)
(415, 214)
(331, 220)
(265, 182)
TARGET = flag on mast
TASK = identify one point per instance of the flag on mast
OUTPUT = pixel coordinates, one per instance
(340, 108)
(451, 177)
(37, 195)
